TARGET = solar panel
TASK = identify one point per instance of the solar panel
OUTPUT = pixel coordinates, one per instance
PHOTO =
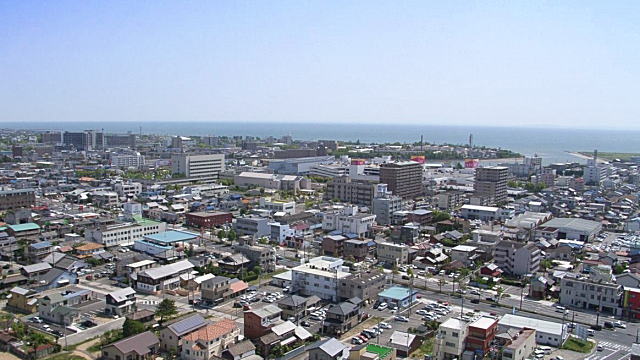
(188, 324)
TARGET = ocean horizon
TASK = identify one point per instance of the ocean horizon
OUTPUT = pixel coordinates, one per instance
(552, 144)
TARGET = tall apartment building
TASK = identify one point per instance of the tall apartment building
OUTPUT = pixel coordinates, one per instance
(15, 199)
(384, 207)
(198, 165)
(344, 188)
(491, 183)
(127, 160)
(517, 258)
(404, 179)
(449, 200)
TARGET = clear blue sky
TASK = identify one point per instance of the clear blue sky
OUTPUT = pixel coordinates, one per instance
(526, 63)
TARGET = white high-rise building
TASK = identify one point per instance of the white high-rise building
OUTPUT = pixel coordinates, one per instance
(198, 165)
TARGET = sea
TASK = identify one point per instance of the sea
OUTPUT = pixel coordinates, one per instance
(552, 144)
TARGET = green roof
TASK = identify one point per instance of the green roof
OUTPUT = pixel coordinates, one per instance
(381, 351)
(144, 222)
(24, 227)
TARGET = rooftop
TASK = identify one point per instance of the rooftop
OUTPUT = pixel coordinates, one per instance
(24, 227)
(396, 292)
(521, 322)
(171, 236)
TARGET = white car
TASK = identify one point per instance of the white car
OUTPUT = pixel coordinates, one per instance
(401, 318)
(385, 325)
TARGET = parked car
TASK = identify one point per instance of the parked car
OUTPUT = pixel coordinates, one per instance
(401, 318)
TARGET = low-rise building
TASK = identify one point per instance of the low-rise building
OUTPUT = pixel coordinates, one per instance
(141, 346)
(450, 339)
(584, 292)
(521, 347)
(392, 254)
(466, 254)
(480, 334)
(547, 332)
(123, 234)
(120, 302)
(364, 285)
(398, 295)
(208, 342)
(171, 336)
(208, 219)
(349, 221)
(257, 322)
(320, 276)
(156, 280)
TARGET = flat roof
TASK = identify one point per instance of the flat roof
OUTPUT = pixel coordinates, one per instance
(480, 208)
(521, 322)
(171, 236)
(396, 293)
(24, 227)
(483, 322)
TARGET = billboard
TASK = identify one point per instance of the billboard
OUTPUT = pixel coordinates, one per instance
(471, 163)
(418, 158)
(357, 162)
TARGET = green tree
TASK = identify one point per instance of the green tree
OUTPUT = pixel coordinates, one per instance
(132, 327)
(499, 291)
(166, 308)
(441, 283)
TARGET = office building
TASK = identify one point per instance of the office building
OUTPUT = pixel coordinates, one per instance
(198, 165)
(590, 293)
(403, 179)
(491, 183)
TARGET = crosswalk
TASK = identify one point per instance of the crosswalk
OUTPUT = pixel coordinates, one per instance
(612, 351)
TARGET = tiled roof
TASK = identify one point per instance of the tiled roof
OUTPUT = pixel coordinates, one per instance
(212, 331)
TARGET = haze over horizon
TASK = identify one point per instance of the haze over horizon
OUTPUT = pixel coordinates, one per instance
(537, 64)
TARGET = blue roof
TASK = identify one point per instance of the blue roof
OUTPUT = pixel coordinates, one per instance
(396, 293)
(41, 245)
(171, 236)
(154, 245)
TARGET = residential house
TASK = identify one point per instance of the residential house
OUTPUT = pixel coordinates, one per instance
(330, 349)
(120, 302)
(208, 342)
(171, 336)
(142, 346)
(257, 322)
